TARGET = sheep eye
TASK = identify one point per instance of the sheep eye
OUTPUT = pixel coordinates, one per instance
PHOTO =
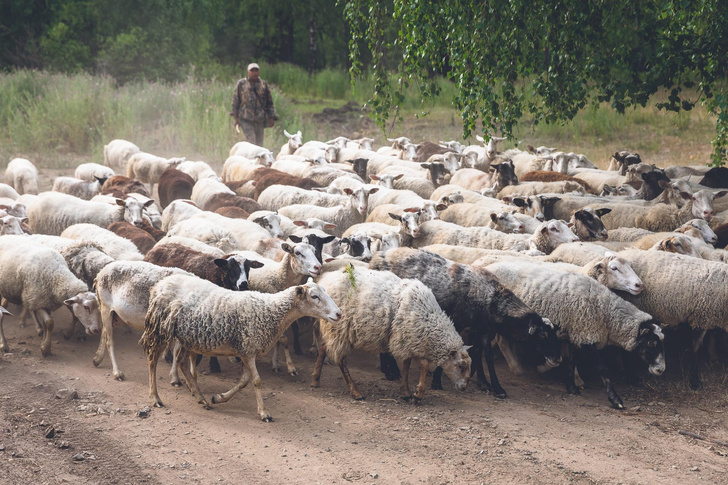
(315, 297)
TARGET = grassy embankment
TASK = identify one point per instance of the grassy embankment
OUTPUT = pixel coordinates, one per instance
(59, 121)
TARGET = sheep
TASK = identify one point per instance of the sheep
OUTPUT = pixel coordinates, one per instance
(232, 212)
(428, 211)
(117, 153)
(353, 212)
(686, 171)
(53, 212)
(407, 220)
(191, 243)
(219, 200)
(251, 151)
(546, 176)
(147, 168)
(484, 155)
(547, 237)
(8, 192)
(178, 210)
(197, 170)
(240, 168)
(204, 189)
(173, 185)
(121, 184)
(115, 246)
(587, 224)
(10, 225)
(294, 143)
(123, 290)
(317, 149)
(596, 179)
(500, 175)
(621, 160)
(698, 228)
(537, 188)
(356, 246)
(619, 190)
(384, 313)
(590, 323)
(142, 239)
(77, 187)
(209, 230)
(22, 176)
(84, 258)
(473, 297)
(324, 175)
(277, 196)
(468, 255)
(38, 278)
(243, 188)
(90, 172)
(248, 326)
(505, 222)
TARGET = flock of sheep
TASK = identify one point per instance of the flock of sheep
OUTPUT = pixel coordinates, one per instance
(429, 252)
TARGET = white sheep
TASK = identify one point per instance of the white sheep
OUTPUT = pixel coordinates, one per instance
(588, 314)
(197, 170)
(317, 149)
(39, 279)
(277, 196)
(77, 187)
(252, 151)
(115, 246)
(695, 228)
(6, 191)
(10, 225)
(537, 188)
(209, 320)
(22, 175)
(117, 153)
(53, 212)
(241, 168)
(178, 210)
(148, 168)
(353, 212)
(90, 172)
(294, 143)
(205, 189)
(383, 313)
(192, 244)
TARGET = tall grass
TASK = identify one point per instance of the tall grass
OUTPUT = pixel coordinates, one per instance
(57, 119)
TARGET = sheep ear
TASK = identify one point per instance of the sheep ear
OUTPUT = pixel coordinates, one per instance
(69, 303)
(348, 191)
(328, 260)
(259, 220)
(328, 239)
(441, 207)
(374, 177)
(148, 203)
(120, 202)
(412, 209)
(329, 226)
(663, 184)
(493, 216)
(603, 212)
(300, 223)
(345, 240)
(466, 347)
(425, 165)
(295, 239)
(599, 266)
(395, 217)
(221, 263)
(300, 291)
(287, 248)
(255, 264)
(398, 177)
(721, 193)
(518, 201)
(373, 191)
(287, 134)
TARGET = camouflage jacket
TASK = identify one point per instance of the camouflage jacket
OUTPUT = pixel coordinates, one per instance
(252, 102)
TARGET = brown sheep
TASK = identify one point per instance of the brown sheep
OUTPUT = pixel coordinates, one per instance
(232, 212)
(141, 238)
(222, 200)
(243, 188)
(426, 149)
(266, 177)
(125, 185)
(174, 184)
(547, 176)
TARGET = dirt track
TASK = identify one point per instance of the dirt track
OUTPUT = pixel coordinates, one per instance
(538, 435)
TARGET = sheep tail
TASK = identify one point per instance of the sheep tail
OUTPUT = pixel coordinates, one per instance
(158, 329)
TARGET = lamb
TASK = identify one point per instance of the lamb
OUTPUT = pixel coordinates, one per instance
(252, 151)
(293, 144)
(353, 212)
(53, 212)
(148, 168)
(485, 155)
(39, 279)
(22, 176)
(121, 184)
(382, 312)
(197, 170)
(248, 326)
(7, 191)
(77, 187)
(590, 323)
(173, 185)
(501, 174)
(90, 172)
(547, 237)
(123, 289)
(240, 168)
(473, 297)
(139, 236)
(118, 152)
(698, 228)
(270, 221)
(596, 179)
(115, 246)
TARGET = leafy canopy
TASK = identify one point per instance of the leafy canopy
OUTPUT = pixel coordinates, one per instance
(546, 58)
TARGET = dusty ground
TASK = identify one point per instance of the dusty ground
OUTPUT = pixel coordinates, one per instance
(538, 435)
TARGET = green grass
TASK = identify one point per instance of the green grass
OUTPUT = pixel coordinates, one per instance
(58, 120)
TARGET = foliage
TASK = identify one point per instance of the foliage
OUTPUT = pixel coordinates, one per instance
(545, 59)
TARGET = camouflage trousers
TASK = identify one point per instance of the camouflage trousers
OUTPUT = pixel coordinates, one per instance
(253, 131)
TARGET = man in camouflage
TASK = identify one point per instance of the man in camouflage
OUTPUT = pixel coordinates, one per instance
(253, 106)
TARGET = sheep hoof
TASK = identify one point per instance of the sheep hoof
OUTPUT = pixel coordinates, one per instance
(573, 390)
(267, 419)
(501, 394)
(406, 398)
(158, 404)
(168, 357)
(618, 405)
(358, 398)
(695, 384)
(96, 362)
(275, 369)
(120, 376)
(45, 352)
(5, 349)
(293, 373)
(417, 401)
(176, 383)
(436, 387)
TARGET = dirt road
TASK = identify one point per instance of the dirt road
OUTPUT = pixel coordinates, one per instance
(538, 435)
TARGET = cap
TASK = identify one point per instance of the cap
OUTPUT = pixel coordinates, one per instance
(253, 65)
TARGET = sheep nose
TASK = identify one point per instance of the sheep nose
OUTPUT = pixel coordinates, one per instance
(521, 228)
(244, 286)
(540, 217)
(707, 215)
(317, 268)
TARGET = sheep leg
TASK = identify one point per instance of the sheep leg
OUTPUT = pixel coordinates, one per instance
(185, 363)
(47, 325)
(629, 363)
(296, 338)
(4, 347)
(274, 358)
(290, 366)
(23, 316)
(422, 384)
(496, 388)
(593, 355)
(436, 383)
(175, 381)
(349, 381)
(68, 332)
(507, 351)
(316, 376)
(214, 365)
(404, 387)
(698, 336)
(226, 396)
(249, 361)
(569, 364)
(38, 326)
(153, 358)
(389, 367)
(476, 356)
